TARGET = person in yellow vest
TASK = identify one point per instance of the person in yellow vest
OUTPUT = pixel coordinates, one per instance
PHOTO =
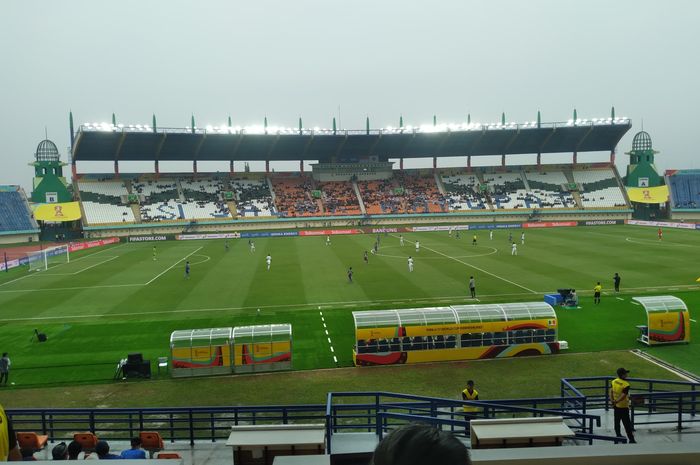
(9, 451)
(596, 293)
(620, 400)
(470, 394)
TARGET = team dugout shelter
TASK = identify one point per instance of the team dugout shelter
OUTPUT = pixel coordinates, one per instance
(218, 351)
(668, 320)
(115, 143)
(458, 332)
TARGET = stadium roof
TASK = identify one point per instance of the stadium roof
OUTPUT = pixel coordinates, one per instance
(108, 142)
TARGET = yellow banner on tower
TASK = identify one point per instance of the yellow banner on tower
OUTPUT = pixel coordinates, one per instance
(58, 212)
(648, 194)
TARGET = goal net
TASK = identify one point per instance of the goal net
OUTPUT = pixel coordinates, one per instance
(44, 259)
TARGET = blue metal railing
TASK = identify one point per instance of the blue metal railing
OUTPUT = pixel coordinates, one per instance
(196, 423)
(375, 413)
(650, 397)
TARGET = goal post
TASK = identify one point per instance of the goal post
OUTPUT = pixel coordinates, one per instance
(40, 260)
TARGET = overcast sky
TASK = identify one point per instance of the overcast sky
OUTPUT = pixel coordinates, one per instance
(375, 58)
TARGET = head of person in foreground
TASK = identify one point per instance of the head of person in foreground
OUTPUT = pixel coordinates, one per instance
(420, 444)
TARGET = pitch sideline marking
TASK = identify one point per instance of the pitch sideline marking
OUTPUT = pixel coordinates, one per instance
(641, 355)
(173, 265)
(477, 268)
(330, 344)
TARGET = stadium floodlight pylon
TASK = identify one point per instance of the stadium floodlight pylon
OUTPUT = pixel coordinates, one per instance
(41, 260)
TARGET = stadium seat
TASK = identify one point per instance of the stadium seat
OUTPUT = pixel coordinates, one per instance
(87, 440)
(31, 441)
(168, 455)
(151, 441)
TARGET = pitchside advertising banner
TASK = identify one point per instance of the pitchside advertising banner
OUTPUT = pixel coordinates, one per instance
(252, 235)
(329, 232)
(663, 224)
(90, 244)
(497, 226)
(461, 227)
(199, 237)
(551, 224)
(600, 222)
(149, 238)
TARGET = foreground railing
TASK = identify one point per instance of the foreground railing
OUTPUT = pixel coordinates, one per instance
(196, 423)
(382, 411)
(653, 401)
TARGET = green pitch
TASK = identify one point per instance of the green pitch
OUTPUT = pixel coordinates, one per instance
(115, 300)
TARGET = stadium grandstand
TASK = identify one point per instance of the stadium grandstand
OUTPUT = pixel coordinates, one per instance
(354, 180)
(684, 187)
(17, 223)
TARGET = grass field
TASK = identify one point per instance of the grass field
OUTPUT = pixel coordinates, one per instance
(115, 300)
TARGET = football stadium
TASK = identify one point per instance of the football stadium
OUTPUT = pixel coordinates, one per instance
(358, 293)
(386, 233)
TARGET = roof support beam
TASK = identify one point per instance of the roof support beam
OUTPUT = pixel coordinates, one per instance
(340, 147)
(306, 147)
(235, 147)
(580, 142)
(546, 139)
(160, 146)
(511, 140)
(374, 145)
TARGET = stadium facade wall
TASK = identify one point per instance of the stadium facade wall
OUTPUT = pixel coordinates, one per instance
(18, 237)
(205, 227)
(685, 215)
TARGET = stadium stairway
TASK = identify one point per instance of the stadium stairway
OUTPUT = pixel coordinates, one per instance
(136, 209)
(356, 189)
(575, 194)
(272, 190)
(233, 208)
(439, 184)
(525, 180)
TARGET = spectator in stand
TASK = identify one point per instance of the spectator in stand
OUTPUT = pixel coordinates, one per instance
(9, 451)
(60, 451)
(419, 444)
(135, 452)
(75, 450)
(102, 451)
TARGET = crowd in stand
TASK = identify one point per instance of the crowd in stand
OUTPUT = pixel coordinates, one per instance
(380, 197)
(339, 198)
(421, 194)
(253, 197)
(293, 197)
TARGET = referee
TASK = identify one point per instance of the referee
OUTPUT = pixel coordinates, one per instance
(596, 293)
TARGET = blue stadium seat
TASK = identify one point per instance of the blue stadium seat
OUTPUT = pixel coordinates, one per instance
(14, 213)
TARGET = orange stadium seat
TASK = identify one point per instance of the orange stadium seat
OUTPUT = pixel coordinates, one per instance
(31, 441)
(87, 440)
(151, 441)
